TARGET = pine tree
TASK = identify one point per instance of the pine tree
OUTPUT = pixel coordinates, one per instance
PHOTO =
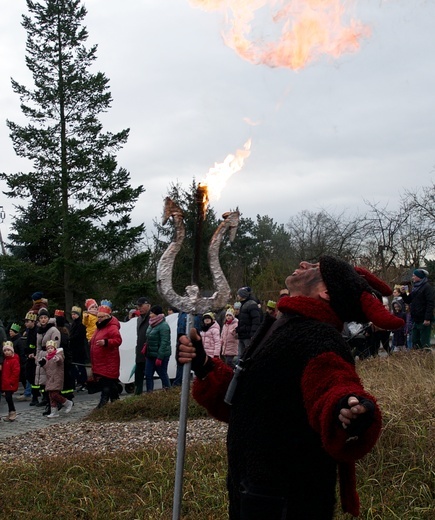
(76, 215)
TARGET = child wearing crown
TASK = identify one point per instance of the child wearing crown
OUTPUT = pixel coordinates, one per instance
(10, 377)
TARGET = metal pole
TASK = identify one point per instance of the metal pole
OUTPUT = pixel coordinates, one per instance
(182, 431)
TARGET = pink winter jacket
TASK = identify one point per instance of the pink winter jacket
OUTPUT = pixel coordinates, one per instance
(211, 339)
(229, 338)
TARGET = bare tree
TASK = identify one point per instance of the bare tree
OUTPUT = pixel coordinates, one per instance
(314, 234)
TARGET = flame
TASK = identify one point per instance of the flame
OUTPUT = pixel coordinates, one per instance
(202, 199)
(309, 29)
(219, 174)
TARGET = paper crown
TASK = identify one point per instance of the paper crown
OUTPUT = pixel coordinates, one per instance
(105, 309)
(15, 327)
(89, 302)
(8, 345)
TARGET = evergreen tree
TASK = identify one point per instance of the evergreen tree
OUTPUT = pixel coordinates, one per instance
(76, 218)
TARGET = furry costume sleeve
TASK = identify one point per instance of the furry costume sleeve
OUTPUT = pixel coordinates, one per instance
(210, 392)
(326, 380)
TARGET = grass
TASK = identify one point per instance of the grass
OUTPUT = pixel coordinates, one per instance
(395, 481)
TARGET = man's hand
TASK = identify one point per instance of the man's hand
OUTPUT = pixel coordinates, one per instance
(192, 349)
(186, 350)
(347, 415)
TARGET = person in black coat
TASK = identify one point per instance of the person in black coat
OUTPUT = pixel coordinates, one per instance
(421, 301)
(78, 347)
(29, 342)
(249, 317)
(298, 414)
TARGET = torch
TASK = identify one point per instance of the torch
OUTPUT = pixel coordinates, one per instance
(192, 302)
(201, 210)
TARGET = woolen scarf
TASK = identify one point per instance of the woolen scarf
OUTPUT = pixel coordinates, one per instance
(156, 320)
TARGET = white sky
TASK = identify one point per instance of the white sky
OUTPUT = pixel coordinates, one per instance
(330, 135)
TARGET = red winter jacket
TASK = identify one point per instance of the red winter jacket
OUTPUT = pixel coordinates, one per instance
(10, 373)
(105, 360)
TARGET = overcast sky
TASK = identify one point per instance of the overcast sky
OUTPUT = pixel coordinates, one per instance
(327, 136)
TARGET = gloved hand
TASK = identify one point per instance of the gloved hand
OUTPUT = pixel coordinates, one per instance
(201, 363)
(192, 351)
(359, 422)
(158, 363)
(42, 362)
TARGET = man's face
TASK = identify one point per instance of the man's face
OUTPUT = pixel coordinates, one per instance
(305, 281)
(144, 308)
(29, 324)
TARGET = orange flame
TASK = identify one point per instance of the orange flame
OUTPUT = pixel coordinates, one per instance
(309, 29)
(219, 174)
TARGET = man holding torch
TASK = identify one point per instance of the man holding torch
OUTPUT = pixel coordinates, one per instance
(297, 411)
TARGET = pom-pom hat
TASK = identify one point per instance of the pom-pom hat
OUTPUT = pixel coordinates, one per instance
(354, 294)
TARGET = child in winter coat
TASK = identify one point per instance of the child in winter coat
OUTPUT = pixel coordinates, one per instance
(90, 317)
(10, 377)
(53, 364)
(211, 335)
(229, 340)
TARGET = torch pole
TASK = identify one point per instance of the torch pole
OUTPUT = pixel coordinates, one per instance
(182, 432)
(201, 201)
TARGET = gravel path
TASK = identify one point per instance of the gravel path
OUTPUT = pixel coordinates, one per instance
(85, 436)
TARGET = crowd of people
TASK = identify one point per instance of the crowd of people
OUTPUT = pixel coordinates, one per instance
(414, 306)
(92, 338)
(291, 362)
(49, 356)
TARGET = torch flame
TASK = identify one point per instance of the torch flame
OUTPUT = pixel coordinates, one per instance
(309, 29)
(219, 174)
